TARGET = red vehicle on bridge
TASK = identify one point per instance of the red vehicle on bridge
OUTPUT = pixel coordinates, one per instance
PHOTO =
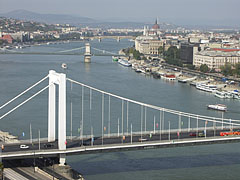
(230, 133)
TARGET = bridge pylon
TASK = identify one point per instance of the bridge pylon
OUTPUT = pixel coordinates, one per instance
(60, 80)
(87, 54)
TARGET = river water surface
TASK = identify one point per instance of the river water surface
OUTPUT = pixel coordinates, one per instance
(17, 72)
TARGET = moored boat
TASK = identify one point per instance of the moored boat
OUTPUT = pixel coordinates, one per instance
(170, 77)
(221, 94)
(206, 87)
(219, 107)
(124, 62)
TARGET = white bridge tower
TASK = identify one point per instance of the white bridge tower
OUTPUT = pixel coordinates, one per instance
(60, 80)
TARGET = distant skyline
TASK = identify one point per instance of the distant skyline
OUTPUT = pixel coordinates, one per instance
(180, 12)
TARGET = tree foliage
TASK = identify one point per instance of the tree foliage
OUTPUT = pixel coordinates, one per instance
(136, 54)
(204, 68)
(160, 50)
(227, 69)
(190, 66)
(172, 56)
(237, 70)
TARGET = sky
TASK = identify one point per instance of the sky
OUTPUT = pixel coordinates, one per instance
(194, 12)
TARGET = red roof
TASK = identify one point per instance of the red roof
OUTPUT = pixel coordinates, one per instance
(225, 50)
(8, 38)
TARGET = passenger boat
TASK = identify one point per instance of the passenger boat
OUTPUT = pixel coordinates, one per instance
(170, 77)
(64, 65)
(124, 62)
(221, 94)
(219, 107)
(225, 94)
(206, 87)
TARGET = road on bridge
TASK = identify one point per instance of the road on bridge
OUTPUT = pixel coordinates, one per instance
(77, 142)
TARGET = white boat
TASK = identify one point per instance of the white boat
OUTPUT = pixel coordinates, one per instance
(64, 65)
(221, 94)
(225, 95)
(229, 95)
(124, 62)
(219, 107)
(206, 87)
(236, 95)
(138, 70)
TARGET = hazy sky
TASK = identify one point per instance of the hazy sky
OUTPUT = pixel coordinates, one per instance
(176, 11)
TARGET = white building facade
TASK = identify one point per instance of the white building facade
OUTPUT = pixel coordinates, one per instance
(216, 59)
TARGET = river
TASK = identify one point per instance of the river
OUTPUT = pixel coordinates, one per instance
(18, 72)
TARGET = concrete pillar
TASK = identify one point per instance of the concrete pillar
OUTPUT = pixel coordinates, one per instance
(62, 159)
(87, 55)
(51, 107)
(62, 113)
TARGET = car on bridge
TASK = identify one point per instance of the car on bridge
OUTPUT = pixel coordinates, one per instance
(199, 134)
(48, 145)
(23, 146)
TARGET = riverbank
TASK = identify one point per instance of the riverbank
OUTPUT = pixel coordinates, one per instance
(212, 83)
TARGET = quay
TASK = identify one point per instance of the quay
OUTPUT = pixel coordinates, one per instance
(169, 72)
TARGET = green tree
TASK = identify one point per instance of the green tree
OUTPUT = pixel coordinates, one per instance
(136, 54)
(172, 56)
(190, 66)
(204, 68)
(160, 50)
(227, 69)
(237, 69)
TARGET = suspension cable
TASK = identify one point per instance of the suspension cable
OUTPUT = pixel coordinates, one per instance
(24, 102)
(23, 92)
(206, 118)
(104, 51)
(71, 49)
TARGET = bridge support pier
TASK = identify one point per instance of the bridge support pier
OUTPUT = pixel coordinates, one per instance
(62, 159)
(87, 55)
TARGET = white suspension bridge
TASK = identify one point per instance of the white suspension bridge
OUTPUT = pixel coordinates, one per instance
(86, 50)
(139, 125)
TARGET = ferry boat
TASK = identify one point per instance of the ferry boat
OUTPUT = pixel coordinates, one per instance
(124, 62)
(207, 87)
(219, 107)
(115, 58)
(170, 77)
(220, 94)
(224, 94)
